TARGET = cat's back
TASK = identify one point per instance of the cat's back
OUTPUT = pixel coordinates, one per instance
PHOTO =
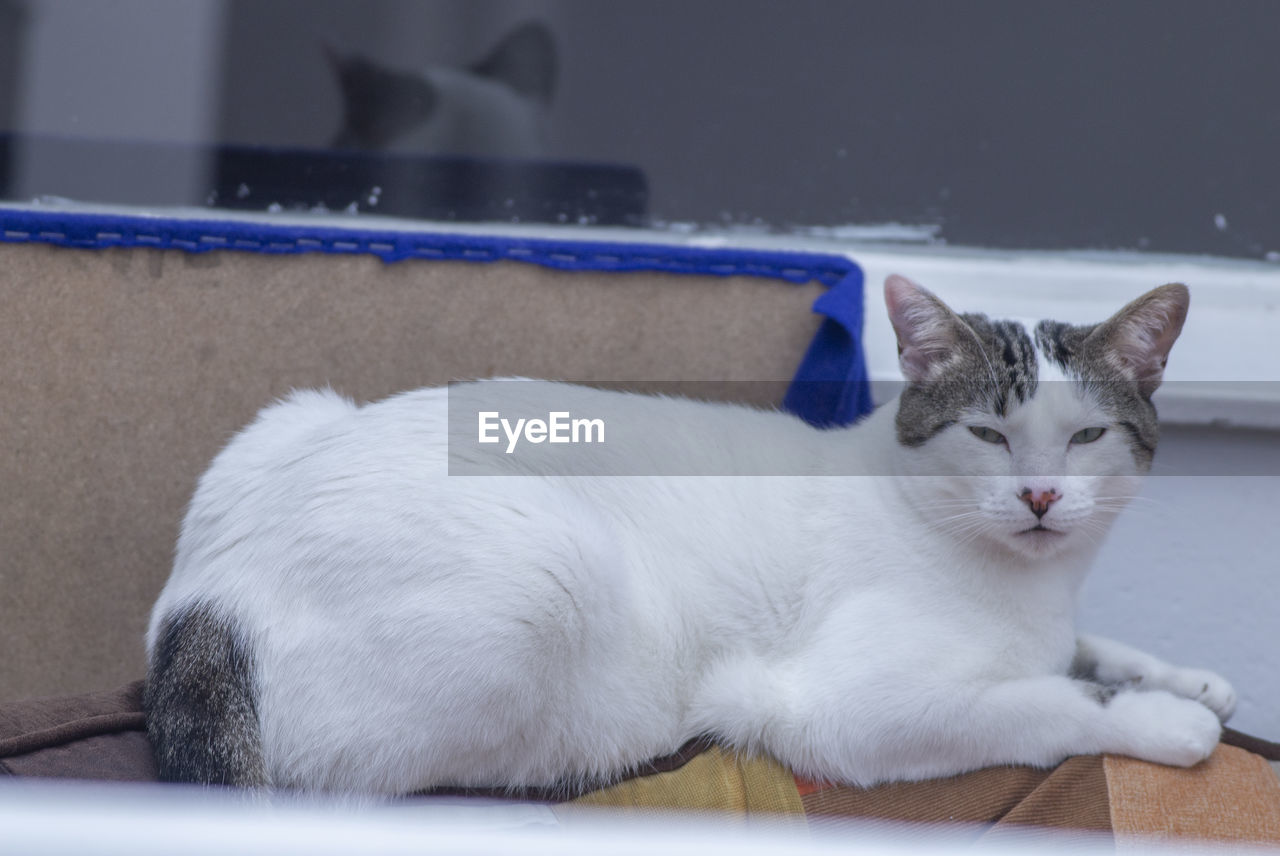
(282, 487)
(319, 436)
(318, 496)
(287, 424)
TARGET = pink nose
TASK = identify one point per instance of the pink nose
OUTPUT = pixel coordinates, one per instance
(1039, 500)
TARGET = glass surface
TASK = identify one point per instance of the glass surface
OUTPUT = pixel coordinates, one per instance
(1139, 124)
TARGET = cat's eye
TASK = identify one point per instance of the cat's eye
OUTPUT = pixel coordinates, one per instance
(1087, 435)
(987, 434)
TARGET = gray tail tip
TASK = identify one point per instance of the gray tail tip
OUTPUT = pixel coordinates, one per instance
(201, 702)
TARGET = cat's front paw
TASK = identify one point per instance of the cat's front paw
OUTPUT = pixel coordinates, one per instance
(1157, 726)
(1209, 688)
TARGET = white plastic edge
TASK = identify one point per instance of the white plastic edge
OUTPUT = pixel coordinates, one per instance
(95, 819)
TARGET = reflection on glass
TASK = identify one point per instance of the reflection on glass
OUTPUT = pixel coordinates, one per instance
(992, 123)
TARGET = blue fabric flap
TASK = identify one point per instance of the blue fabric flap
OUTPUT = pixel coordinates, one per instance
(831, 387)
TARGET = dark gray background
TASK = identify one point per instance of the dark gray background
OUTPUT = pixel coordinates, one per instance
(1135, 124)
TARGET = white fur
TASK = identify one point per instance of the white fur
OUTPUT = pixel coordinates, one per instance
(475, 116)
(413, 628)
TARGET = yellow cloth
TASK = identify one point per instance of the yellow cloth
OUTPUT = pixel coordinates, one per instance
(732, 786)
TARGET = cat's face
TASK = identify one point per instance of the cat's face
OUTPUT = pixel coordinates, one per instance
(1031, 436)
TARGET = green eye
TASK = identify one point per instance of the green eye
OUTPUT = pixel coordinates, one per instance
(1087, 435)
(986, 434)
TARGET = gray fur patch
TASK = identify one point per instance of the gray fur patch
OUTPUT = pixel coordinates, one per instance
(1101, 693)
(1062, 342)
(994, 366)
(1085, 673)
(1082, 668)
(1083, 355)
(201, 702)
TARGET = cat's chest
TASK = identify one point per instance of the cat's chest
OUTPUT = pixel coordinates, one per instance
(959, 625)
(1009, 635)
(1020, 645)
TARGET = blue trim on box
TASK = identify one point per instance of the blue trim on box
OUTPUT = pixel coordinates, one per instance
(830, 387)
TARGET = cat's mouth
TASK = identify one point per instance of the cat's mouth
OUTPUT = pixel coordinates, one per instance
(1041, 529)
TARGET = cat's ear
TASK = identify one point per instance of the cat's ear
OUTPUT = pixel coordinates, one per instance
(1137, 339)
(926, 328)
(525, 60)
(378, 103)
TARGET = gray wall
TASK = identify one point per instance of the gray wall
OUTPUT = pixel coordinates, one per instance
(1191, 573)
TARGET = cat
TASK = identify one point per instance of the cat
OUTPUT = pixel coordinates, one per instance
(497, 107)
(345, 615)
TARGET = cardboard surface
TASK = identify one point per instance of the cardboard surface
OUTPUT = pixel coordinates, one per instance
(124, 372)
(1231, 797)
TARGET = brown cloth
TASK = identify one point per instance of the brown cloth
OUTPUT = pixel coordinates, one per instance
(99, 736)
(1234, 796)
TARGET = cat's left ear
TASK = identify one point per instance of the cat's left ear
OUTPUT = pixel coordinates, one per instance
(1138, 337)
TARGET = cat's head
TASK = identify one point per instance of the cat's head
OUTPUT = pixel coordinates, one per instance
(384, 107)
(1031, 435)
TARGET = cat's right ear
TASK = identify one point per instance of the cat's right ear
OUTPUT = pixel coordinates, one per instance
(1138, 337)
(925, 327)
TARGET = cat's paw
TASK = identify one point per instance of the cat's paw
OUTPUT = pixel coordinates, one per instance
(1161, 727)
(1210, 689)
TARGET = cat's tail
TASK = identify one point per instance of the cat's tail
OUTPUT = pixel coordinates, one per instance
(201, 701)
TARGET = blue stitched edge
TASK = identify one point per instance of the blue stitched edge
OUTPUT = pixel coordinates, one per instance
(830, 387)
(99, 231)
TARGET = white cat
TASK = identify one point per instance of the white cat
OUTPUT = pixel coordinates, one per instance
(345, 614)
